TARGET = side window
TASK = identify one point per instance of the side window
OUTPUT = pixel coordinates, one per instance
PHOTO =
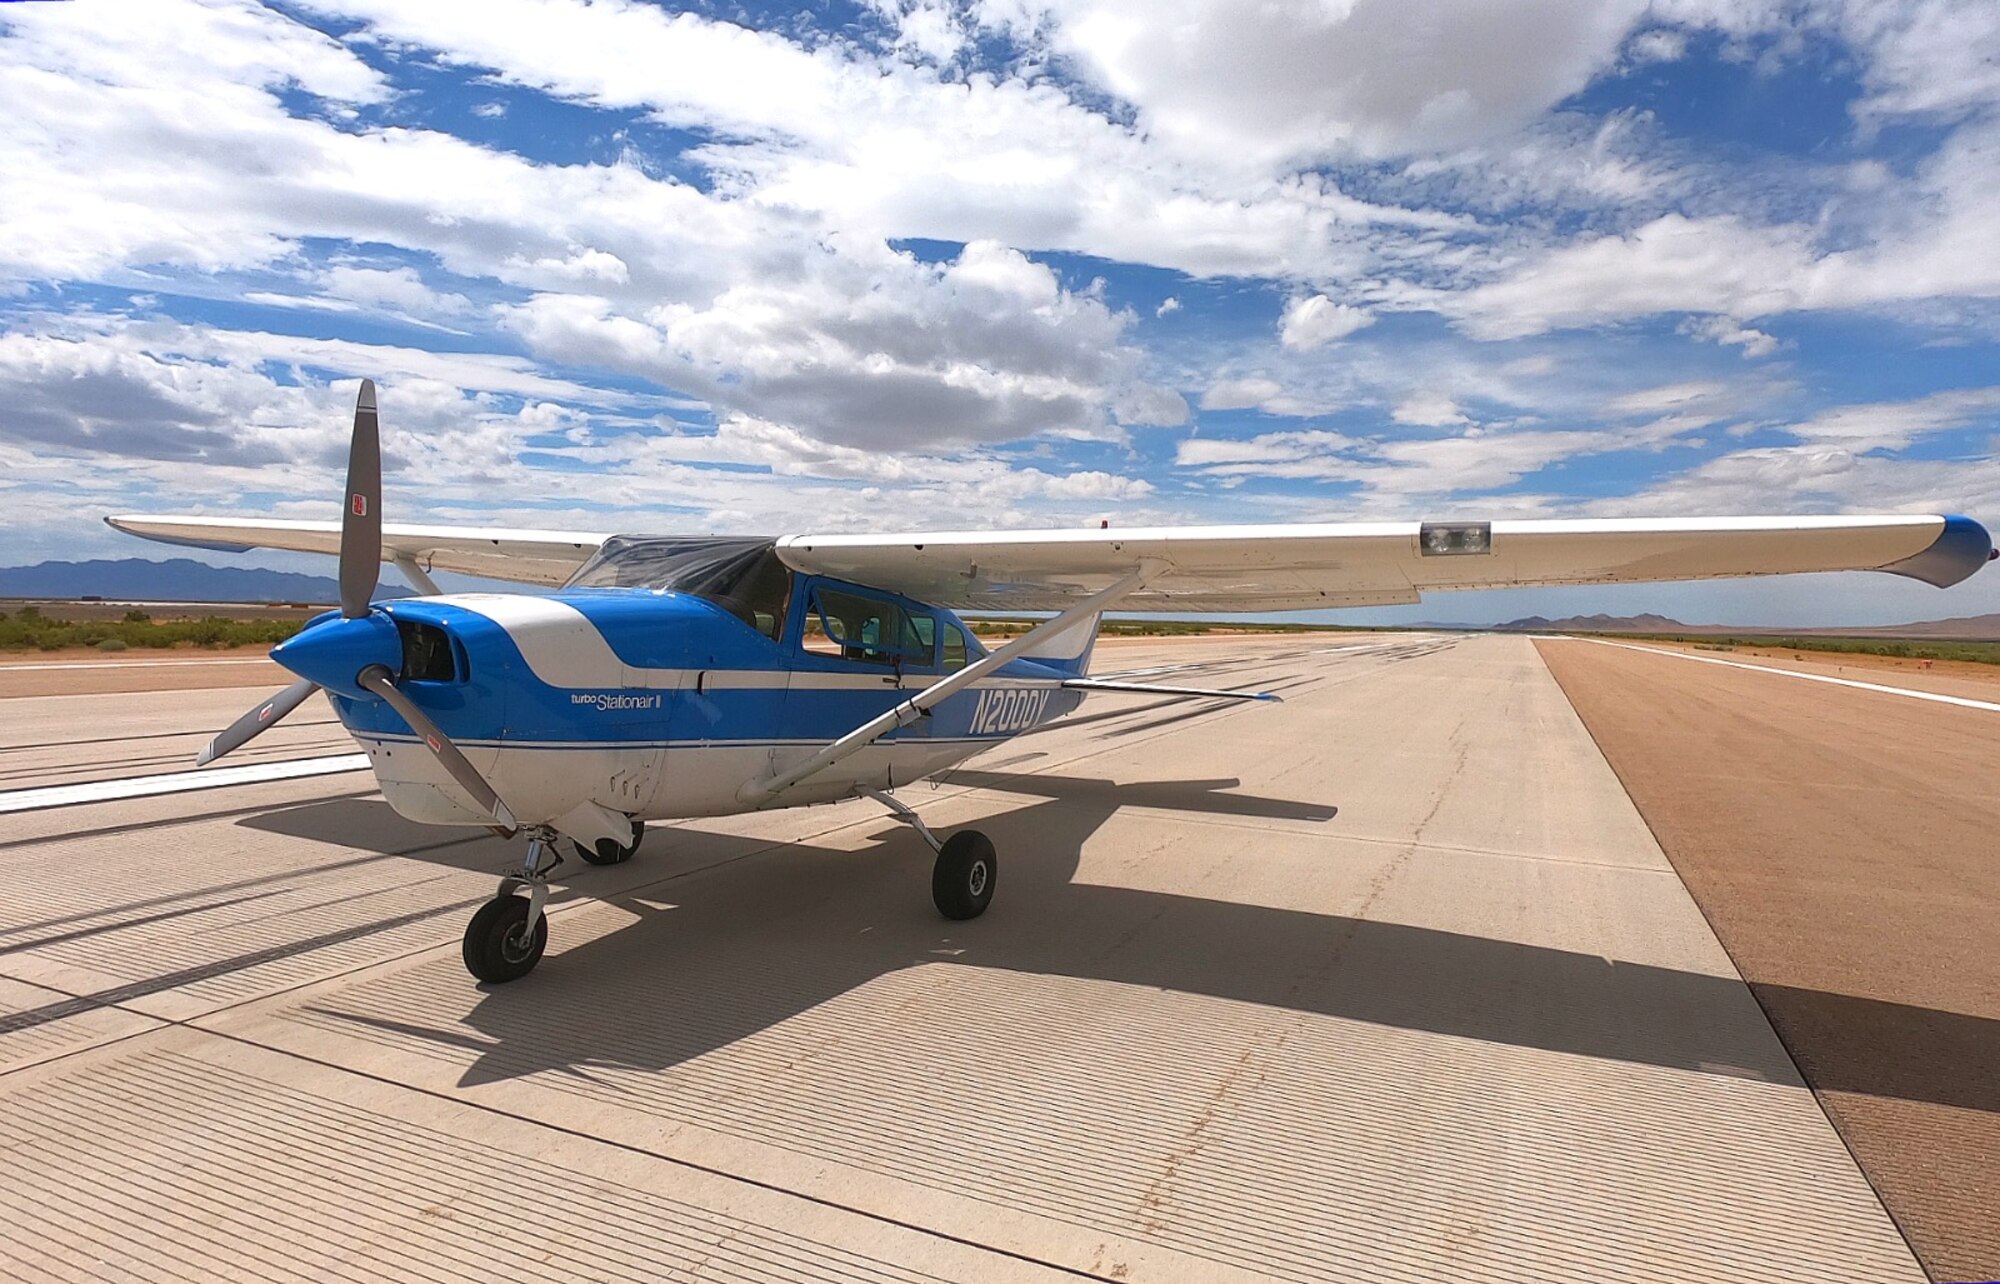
(868, 629)
(954, 648)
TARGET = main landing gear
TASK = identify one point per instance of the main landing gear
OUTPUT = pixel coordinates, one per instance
(962, 880)
(607, 852)
(505, 939)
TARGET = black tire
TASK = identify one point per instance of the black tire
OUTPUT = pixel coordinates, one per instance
(494, 951)
(963, 878)
(608, 852)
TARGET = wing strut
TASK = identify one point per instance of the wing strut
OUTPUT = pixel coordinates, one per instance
(757, 792)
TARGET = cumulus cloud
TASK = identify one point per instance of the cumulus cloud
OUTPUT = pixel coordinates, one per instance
(765, 284)
(193, 419)
(1313, 321)
(1298, 80)
(730, 300)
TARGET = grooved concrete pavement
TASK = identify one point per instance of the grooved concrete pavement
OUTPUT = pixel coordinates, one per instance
(1388, 982)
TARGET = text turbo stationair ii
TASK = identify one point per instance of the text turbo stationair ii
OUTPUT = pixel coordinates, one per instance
(671, 677)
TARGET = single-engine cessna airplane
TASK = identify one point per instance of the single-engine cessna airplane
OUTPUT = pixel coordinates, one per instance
(674, 677)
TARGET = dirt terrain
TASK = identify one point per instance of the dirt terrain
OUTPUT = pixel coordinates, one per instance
(87, 671)
(1868, 668)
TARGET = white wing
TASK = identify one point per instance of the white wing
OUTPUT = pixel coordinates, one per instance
(1288, 568)
(1212, 568)
(525, 556)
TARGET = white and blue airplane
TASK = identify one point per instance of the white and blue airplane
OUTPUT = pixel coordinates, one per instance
(674, 677)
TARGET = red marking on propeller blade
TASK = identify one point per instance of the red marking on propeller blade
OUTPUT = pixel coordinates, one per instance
(436, 745)
(360, 505)
(264, 713)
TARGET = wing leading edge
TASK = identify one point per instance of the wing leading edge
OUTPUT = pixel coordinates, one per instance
(1289, 568)
(524, 556)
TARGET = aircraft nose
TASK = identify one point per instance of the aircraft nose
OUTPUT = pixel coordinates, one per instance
(335, 651)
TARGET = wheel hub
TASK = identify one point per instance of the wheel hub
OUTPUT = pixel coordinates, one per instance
(977, 878)
(517, 944)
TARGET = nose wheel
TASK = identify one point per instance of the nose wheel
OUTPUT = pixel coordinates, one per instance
(501, 944)
(506, 938)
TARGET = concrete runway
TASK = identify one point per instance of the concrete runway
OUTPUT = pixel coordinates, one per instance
(1388, 982)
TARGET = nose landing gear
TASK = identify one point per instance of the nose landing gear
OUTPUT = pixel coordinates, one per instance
(505, 939)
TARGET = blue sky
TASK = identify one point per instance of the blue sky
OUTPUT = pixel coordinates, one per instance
(911, 263)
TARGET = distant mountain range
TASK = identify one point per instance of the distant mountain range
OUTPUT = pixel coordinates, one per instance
(1963, 628)
(134, 579)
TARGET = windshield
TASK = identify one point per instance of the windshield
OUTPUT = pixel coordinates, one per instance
(742, 575)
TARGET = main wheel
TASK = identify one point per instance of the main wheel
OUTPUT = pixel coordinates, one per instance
(962, 880)
(498, 946)
(609, 853)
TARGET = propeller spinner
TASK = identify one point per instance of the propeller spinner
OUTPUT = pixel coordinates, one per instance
(349, 653)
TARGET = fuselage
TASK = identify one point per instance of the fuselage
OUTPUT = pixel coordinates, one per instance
(660, 705)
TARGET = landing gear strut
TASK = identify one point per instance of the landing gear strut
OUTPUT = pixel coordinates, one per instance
(962, 880)
(505, 939)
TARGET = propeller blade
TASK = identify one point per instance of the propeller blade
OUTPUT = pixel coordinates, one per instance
(361, 522)
(378, 679)
(253, 723)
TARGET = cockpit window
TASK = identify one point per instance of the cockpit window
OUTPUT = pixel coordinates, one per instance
(742, 576)
(866, 628)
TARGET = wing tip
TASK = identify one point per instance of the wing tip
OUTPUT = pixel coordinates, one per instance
(1960, 549)
(135, 524)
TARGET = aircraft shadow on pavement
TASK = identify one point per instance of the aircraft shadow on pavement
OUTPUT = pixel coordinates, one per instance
(743, 945)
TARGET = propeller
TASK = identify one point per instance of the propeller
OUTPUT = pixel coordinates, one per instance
(323, 645)
(246, 727)
(361, 521)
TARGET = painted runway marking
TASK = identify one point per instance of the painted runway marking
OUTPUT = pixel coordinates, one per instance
(177, 782)
(131, 664)
(1961, 701)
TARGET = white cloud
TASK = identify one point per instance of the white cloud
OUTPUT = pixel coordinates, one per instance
(1265, 448)
(1895, 424)
(1168, 306)
(1724, 330)
(742, 304)
(120, 415)
(1692, 397)
(1240, 394)
(1299, 80)
(1428, 410)
(1313, 321)
(1259, 392)
(1661, 44)
(1673, 263)
(927, 28)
